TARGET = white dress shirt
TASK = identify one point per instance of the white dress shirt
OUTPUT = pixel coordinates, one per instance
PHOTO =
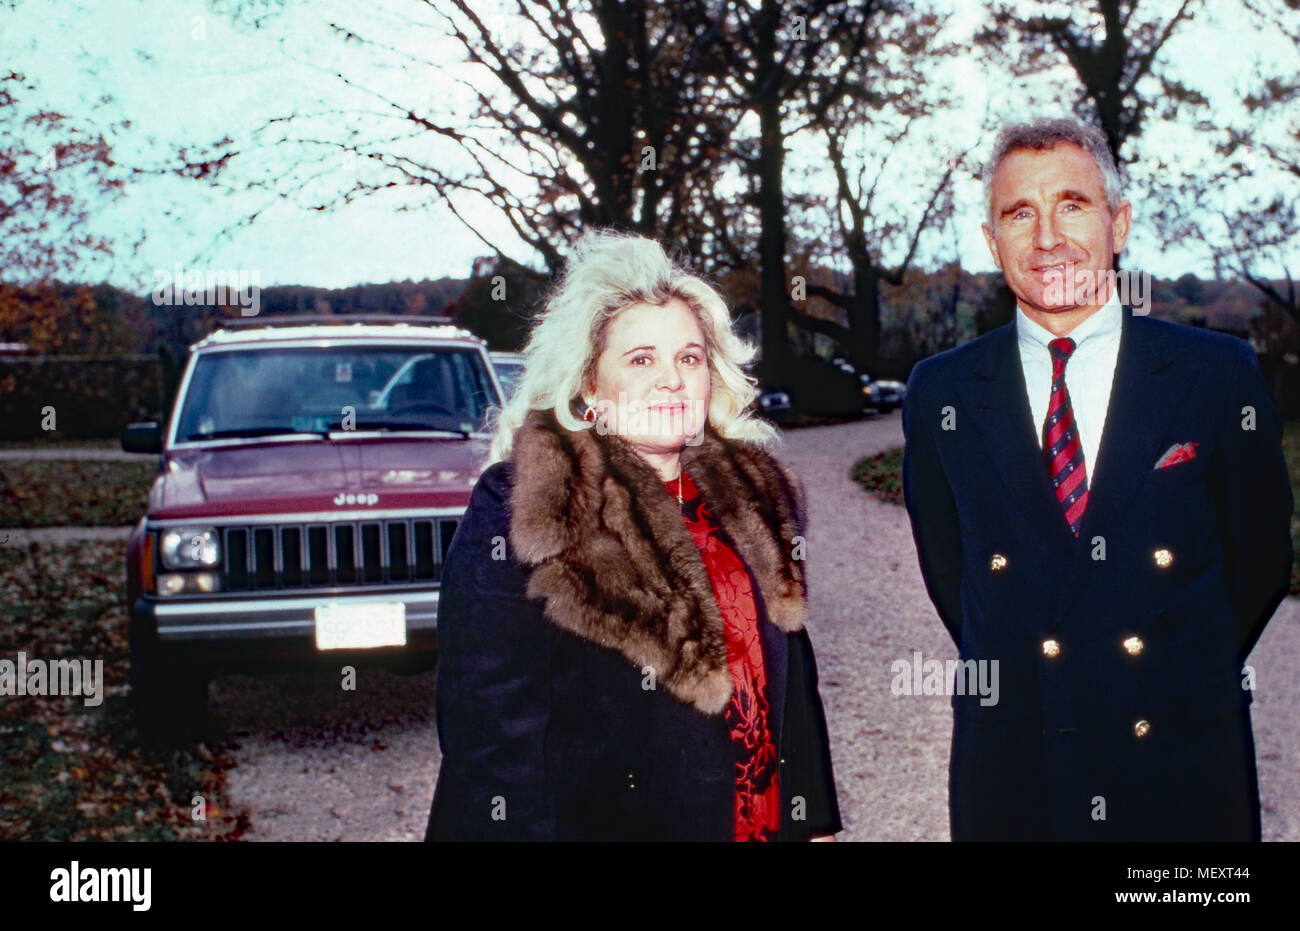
(1089, 372)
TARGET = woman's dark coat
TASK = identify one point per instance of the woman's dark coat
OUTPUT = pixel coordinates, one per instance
(582, 661)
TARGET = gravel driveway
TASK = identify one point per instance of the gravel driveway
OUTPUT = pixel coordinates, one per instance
(320, 763)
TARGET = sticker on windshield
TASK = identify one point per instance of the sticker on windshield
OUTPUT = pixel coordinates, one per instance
(310, 424)
(342, 371)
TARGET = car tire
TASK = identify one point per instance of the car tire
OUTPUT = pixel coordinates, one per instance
(169, 701)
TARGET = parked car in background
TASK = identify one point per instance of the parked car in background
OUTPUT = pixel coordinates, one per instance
(813, 386)
(886, 395)
(509, 368)
(810, 386)
(313, 472)
(774, 404)
(881, 395)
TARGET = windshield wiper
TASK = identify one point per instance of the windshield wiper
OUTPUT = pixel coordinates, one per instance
(251, 431)
(337, 427)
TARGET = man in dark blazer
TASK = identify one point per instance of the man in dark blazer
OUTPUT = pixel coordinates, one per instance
(1100, 505)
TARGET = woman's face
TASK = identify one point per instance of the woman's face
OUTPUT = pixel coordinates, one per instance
(652, 379)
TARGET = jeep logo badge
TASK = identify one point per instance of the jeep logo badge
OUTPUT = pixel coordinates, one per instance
(341, 498)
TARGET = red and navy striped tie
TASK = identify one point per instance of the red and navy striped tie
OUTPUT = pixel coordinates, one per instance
(1061, 445)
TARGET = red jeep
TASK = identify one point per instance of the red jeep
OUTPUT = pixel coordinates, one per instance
(313, 473)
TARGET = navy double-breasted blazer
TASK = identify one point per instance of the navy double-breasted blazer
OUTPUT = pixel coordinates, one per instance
(1124, 710)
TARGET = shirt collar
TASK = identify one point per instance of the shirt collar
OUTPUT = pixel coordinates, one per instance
(1102, 326)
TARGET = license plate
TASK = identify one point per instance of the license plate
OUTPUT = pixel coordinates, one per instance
(358, 627)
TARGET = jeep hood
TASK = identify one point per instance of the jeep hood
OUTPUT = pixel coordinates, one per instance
(361, 474)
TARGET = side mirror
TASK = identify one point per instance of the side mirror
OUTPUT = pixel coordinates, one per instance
(142, 437)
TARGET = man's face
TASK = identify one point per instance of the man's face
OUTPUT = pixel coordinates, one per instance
(1052, 234)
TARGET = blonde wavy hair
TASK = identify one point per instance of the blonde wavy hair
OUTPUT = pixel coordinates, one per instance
(609, 272)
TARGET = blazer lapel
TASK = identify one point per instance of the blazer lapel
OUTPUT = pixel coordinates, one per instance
(999, 406)
(1135, 425)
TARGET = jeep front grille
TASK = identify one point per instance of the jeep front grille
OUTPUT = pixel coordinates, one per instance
(271, 556)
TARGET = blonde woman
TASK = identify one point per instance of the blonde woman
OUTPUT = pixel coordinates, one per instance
(622, 652)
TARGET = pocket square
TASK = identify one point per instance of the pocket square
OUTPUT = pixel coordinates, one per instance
(1179, 452)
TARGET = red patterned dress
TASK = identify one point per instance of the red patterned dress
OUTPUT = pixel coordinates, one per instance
(758, 797)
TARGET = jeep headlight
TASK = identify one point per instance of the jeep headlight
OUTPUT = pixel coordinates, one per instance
(190, 547)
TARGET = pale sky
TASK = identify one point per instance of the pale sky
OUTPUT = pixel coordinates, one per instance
(185, 74)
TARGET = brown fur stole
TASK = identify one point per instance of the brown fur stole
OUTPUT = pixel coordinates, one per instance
(616, 565)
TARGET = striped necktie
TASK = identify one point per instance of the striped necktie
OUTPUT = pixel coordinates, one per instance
(1061, 446)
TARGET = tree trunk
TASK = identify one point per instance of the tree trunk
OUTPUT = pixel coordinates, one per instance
(864, 317)
(774, 301)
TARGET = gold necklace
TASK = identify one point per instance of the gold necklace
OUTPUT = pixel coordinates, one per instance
(679, 489)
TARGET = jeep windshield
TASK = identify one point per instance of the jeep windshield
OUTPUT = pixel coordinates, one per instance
(313, 390)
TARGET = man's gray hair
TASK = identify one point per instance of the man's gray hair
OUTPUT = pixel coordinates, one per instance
(1044, 134)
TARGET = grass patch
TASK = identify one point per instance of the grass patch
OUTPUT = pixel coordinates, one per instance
(73, 493)
(881, 474)
(71, 772)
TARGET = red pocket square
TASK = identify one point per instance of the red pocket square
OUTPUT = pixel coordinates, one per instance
(1179, 452)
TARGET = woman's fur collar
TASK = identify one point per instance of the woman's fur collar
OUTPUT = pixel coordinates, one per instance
(616, 565)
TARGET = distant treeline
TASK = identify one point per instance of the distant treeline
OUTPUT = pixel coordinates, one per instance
(929, 312)
(396, 297)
